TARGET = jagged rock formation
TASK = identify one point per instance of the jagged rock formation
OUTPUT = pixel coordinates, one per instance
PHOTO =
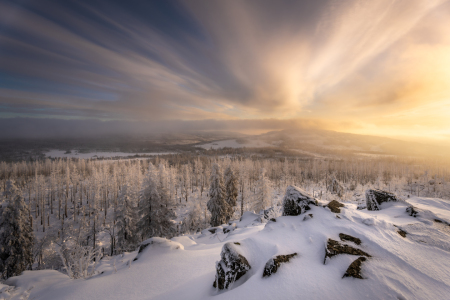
(354, 270)
(334, 248)
(231, 267)
(296, 201)
(335, 206)
(346, 237)
(274, 263)
(374, 198)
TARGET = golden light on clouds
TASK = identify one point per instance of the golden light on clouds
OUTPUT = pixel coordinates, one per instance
(371, 67)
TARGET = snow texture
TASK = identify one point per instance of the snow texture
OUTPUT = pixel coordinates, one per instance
(412, 267)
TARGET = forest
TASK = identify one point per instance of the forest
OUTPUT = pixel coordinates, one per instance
(68, 213)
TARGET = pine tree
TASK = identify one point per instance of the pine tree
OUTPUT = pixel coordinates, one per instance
(16, 235)
(220, 210)
(231, 190)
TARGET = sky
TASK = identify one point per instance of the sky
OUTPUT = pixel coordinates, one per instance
(377, 67)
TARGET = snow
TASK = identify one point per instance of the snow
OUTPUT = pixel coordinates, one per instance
(414, 267)
(75, 154)
(440, 207)
(235, 144)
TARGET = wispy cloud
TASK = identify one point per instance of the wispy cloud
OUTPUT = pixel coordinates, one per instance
(345, 62)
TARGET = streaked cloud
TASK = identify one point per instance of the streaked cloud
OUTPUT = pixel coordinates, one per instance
(378, 67)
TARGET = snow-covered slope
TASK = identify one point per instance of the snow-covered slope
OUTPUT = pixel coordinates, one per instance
(413, 267)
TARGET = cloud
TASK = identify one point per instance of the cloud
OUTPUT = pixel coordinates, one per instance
(358, 65)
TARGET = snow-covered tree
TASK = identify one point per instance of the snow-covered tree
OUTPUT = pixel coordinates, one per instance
(263, 196)
(156, 215)
(220, 209)
(79, 261)
(16, 236)
(231, 187)
(127, 237)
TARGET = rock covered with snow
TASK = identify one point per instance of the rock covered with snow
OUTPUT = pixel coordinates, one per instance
(374, 198)
(296, 201)
(411, 210)
(335, 206)
(159, 242)
(247, 219)
(274, 263)
(232, 266)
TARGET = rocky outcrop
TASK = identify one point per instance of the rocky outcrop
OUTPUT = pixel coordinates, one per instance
(274, 263)
(354, 270)
(346, 237)
(296, 201)
(232, 266)
(335, 206)
(374, 198)
(334, 248)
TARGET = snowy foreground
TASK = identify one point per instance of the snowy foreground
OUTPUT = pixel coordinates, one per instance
(416, 266)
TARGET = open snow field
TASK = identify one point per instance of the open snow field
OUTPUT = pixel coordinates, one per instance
(413, 267)
(76, 154)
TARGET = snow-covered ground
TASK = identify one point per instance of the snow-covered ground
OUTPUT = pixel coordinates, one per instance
(413, 267)
(76, 154)
(249, 143)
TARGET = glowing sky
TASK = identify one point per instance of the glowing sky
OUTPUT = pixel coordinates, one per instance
(377, 67)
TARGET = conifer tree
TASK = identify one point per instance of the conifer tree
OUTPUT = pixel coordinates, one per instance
(16, 235)
(220, 210)
(155, 214)
(231, 190)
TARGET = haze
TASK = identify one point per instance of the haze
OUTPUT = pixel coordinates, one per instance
(368, 67)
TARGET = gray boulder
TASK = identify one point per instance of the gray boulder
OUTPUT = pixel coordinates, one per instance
(374, 198)
(232, 266)
(296, 201)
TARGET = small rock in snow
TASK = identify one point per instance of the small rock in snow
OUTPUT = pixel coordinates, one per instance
(354, 270)
(307, 217)
(412, 211)
(335, 206)
(346, 237)
(274, 263)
